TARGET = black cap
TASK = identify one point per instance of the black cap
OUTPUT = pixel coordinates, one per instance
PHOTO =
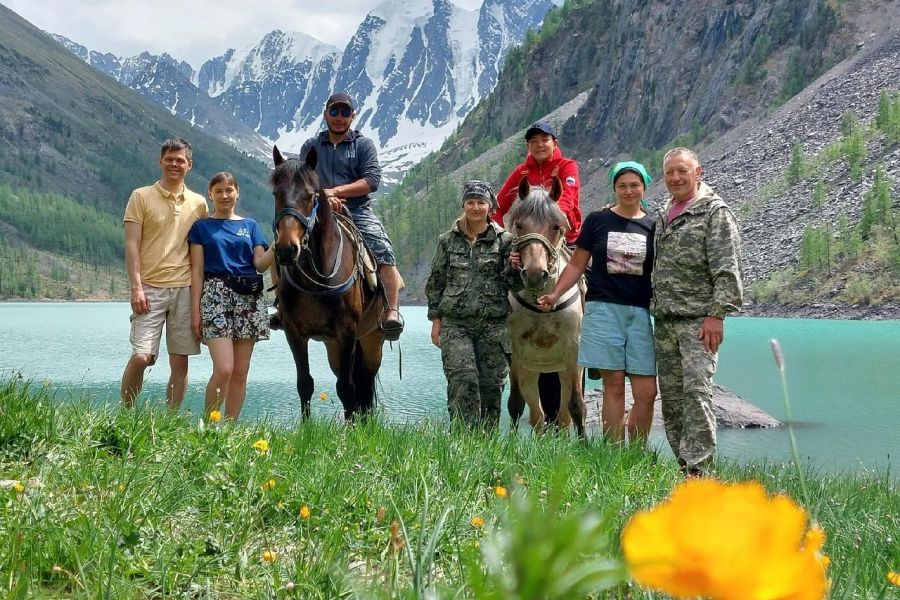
(479, 189)
(540, 127)
(340, 98)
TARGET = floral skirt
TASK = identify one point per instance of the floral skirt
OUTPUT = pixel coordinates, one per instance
(226, 314)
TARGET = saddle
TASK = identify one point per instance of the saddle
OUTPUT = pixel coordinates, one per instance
(366, 266)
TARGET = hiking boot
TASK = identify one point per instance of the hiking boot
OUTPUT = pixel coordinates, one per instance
(392, 327)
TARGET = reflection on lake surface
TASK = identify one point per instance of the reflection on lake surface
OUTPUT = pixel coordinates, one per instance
(843, 376)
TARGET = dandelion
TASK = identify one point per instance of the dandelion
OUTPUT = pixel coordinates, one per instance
(261, 446)
(305, 512)
(215, 416)
(269, 556)
(477, 522)
(323, 396)
(18, 487)
(893, 577)
(501, 492)
(725, 542)
(269, 485)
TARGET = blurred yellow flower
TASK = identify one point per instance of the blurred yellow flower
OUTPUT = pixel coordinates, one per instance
(261, 446)
(269, 556)
(215, 416)
(501, 492)
(477, 522)
(893, 577)
(121, 487)
(726, 542)
(305, 512)
(280, 506)
(18, 487)
(323, 396)
(269, 485)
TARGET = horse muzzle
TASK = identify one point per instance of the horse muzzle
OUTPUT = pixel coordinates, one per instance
(288, 254)
(535, 280)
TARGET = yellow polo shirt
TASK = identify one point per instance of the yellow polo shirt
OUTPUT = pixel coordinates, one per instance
(165, 220)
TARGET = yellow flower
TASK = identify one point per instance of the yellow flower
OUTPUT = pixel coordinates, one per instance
(261, 446)
(18, 487)
(280, 506)
(893, 577)
(305, 512)
(477, 522)
(501, 492)
(726, 542)
(215, 416)
(269, 556)
(268, 485)
(323, 396)
(121, 487)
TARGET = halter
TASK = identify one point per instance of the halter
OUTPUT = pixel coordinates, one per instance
(307, 222)
(536, 238)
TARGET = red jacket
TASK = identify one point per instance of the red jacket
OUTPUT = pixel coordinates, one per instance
(564, 168)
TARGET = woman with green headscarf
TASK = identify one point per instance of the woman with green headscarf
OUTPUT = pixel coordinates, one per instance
(616, 334)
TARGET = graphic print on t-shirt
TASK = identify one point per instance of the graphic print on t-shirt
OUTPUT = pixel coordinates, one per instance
(625, 253)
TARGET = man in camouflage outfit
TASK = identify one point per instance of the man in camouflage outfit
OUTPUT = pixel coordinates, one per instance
(696, 283)
(468, 306)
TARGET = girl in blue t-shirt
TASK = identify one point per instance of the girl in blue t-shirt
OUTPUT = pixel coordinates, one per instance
(616, 333)
(228, 310)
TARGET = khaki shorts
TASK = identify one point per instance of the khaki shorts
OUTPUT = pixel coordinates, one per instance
(169, 306)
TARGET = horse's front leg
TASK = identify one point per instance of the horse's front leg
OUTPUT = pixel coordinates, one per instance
(577, 408)
(571, 407)
(515, 405)
(340, 359)
(528, 385)
(305, 384)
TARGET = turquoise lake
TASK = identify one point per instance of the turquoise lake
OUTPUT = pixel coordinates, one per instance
(843, 377)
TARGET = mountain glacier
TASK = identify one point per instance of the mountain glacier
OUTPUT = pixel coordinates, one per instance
(415, 68)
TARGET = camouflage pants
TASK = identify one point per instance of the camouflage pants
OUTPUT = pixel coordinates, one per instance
(685, 371)
(476, 363)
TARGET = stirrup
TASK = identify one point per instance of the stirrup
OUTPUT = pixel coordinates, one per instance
(392, 328)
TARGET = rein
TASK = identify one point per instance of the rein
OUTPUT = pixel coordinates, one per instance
(319, 287)
(559, 306)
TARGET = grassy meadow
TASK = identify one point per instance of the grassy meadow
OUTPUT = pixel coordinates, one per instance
(103, 503)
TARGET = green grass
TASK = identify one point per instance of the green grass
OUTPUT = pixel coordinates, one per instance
(148, 504)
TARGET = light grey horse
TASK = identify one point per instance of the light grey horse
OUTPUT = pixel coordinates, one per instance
(543, 342)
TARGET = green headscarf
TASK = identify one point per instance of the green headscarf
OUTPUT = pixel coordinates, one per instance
(634, 167)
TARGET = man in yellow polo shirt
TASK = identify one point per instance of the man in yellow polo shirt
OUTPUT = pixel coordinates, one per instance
(157, 221)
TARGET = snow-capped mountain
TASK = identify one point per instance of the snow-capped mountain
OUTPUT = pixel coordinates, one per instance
(415, 68)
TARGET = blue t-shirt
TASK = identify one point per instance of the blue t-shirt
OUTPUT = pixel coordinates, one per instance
(227, 244)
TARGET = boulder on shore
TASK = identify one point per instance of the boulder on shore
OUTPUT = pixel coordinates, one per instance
(731, 410)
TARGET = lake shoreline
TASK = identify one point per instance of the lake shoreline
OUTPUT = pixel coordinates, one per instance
(889, 311)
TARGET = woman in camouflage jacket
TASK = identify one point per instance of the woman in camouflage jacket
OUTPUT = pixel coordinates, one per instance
(468, 306)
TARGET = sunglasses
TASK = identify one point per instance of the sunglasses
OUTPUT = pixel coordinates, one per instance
(344, 111)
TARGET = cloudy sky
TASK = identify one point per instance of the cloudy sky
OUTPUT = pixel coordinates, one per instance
(193, 30)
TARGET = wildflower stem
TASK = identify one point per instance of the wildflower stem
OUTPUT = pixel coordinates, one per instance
(779, 361)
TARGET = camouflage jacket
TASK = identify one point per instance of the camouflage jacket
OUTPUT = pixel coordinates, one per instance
(469, 281)
(697, 264)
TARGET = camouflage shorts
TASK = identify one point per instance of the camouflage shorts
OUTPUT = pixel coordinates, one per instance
(373, 234)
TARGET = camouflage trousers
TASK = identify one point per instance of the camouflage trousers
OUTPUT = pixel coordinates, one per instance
(685, 371)
(476, 363)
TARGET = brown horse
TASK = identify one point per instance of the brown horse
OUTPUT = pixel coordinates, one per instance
(322, 290)
(543, 342)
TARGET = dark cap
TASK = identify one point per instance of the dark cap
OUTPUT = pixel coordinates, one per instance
(540, 127)
(479, 189)
(340, 98)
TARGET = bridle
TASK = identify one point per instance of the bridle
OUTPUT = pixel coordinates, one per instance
(317, 278)
(553, 252)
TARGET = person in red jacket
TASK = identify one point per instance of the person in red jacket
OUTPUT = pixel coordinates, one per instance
(544, 162)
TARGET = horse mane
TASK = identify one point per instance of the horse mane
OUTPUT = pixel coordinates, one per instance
(538, 208)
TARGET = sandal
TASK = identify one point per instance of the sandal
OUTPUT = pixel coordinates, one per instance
(392, 327)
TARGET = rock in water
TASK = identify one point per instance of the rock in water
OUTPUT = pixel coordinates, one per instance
(731, 410)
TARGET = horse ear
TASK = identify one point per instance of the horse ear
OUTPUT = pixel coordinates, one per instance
(312, 157)
(556, 189)
(277, 156)
(524, 188)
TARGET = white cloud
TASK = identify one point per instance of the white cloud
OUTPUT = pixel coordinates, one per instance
(193, 30)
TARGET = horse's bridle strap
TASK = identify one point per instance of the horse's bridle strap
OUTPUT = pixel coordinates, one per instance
(562, 305)
(308, 222)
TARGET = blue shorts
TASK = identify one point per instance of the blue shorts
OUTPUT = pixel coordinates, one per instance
(373, 233)
(616, 337)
